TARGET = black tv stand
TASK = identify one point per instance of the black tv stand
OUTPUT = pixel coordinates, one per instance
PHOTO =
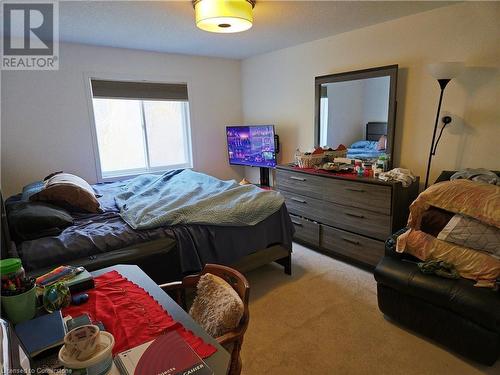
(264, 176)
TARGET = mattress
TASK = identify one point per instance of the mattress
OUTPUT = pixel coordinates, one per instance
(94, 234)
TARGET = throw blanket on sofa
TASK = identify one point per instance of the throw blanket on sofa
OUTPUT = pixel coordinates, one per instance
(471, 264)
(478, 200)
(477, 203)
(187, 197)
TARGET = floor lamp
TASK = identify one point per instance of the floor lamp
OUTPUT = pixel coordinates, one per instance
(444, 72)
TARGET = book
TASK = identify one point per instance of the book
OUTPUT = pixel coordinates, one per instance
(41, 334)
(80, 282)
(168, 354)
(76, 278)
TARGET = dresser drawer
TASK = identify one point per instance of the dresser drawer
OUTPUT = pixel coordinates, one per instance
(357, 220)
(371, 197)
(351, 245)
(305, 230)
(300, 183)
(298, 204)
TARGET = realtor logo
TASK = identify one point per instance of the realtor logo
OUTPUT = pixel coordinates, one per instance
(30, 35)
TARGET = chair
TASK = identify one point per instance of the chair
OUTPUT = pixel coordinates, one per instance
(232, 340)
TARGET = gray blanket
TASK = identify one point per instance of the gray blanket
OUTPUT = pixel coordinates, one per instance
(187, 197)
(477, 174)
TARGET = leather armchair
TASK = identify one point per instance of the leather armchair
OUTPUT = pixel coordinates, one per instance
(454, 313)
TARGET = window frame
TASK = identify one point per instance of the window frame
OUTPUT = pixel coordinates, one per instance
(128, 173)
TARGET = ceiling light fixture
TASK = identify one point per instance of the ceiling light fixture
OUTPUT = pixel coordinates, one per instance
(224, 16)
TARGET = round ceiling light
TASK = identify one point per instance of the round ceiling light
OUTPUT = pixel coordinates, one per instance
(224, 16)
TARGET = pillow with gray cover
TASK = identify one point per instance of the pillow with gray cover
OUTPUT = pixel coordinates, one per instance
(469, 232)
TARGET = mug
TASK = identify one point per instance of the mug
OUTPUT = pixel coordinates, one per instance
(81, 343)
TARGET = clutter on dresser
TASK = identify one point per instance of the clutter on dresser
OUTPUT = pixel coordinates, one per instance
(398, 174)
(336, 161)
(332, 166)
(318, 156)
(18, 291)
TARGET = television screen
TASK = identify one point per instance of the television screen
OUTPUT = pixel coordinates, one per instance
(251, 145)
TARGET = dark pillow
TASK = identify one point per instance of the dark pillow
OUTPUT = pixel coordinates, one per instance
(32, 220)
(434, 220)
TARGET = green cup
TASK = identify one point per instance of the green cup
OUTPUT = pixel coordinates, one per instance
(20, 307)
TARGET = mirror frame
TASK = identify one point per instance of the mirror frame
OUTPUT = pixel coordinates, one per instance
(383, 71)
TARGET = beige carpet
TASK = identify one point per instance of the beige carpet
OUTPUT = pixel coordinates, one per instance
(325, 320)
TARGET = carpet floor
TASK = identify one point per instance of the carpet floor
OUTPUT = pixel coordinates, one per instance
(324, 319)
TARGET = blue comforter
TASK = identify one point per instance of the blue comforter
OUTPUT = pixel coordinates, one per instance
(187, 197)
(364, 150)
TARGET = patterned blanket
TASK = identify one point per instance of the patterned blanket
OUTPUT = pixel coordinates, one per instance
(187, 197)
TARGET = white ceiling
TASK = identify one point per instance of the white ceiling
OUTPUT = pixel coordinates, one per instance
(168, 26)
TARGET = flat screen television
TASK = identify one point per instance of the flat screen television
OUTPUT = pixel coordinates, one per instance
(251, 145)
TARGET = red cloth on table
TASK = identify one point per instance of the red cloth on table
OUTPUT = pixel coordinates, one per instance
(131, 315)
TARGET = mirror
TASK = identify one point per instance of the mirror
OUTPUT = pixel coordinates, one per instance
(357, 109)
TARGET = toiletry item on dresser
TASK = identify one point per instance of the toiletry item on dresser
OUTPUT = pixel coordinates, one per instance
(382, 162)
(367, 170)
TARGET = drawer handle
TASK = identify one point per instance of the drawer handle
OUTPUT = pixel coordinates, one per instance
(297, 223)
(298, 200)
(359, 216)
(350, 241)
(356, 190)
(297, 178)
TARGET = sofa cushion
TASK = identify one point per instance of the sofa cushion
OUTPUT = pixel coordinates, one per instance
(480, 305)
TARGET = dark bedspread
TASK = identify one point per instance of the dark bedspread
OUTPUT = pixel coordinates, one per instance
(93, 234)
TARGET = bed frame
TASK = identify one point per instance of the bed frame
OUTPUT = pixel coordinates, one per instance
(158, 258)
(374, 130)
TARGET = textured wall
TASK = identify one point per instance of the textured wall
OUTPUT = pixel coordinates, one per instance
(278, 87)
(46, 119)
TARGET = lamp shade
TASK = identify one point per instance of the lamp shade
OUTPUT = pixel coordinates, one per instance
(445, 70)
(224, 16)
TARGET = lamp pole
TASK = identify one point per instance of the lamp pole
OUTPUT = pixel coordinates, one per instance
(442, 84)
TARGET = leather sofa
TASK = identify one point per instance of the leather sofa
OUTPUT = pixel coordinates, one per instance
(454, 313)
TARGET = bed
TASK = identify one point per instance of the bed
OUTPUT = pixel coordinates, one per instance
(369, 147)
(166, 253)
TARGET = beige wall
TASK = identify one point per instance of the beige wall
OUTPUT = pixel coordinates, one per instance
(46, 119)
(278, 87)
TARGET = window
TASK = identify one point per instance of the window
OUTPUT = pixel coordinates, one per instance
(140, 127)
(323, 118)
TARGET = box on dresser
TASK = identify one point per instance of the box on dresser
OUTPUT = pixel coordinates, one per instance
(342, 214)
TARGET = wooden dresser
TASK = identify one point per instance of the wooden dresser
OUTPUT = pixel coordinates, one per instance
(347, 216)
